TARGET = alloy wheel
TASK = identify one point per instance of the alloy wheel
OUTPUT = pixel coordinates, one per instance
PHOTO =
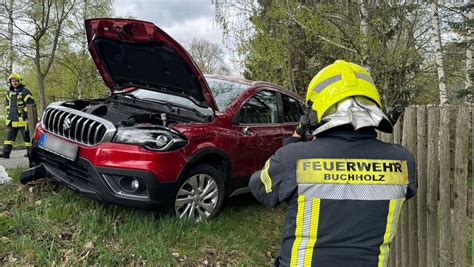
(197, 197)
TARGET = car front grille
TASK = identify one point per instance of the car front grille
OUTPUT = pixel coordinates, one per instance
(77, 126)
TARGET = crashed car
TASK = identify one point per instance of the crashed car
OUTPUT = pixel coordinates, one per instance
(167, 137)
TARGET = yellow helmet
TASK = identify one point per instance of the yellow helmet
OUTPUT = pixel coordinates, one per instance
(338, 81)
(15, 76)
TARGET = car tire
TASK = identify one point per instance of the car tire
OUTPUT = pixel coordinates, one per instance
(200, 194)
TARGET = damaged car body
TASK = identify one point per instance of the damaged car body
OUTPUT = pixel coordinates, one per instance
(167, 137)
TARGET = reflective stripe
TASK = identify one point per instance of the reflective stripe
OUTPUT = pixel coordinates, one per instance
(305, 231)
(28, 97)
(8, 142)
(313, 231)
(298, 230)
(265, 177)
(20, 123)
(365, 77)
(390, 230)
(27, 144)
(320, 86)
(307, 222)
(352, 191)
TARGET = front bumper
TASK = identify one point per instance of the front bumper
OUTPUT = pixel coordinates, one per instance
(103, 183)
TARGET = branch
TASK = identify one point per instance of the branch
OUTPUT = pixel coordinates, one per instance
(61, 18)
(320, 36)
(459, 12)
(346, 35)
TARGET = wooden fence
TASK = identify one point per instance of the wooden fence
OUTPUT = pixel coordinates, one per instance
(433, 228)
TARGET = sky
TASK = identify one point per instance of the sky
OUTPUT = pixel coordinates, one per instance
(182, 19)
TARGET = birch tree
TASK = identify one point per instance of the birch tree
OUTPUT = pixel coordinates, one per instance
(364, 29)
(10, 36)
(469, 60)
(6, 37)
(443, 94)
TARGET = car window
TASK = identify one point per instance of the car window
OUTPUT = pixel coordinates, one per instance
(261, 108)
(225, 92)
(291, 109)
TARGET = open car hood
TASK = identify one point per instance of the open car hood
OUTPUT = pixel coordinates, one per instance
(137, 53)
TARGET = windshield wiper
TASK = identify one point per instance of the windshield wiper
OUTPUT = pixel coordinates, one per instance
(171, 107)
(126, 94)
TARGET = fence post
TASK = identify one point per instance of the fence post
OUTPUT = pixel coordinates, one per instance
(461, 158)
(444, 189)
(422, 183)
(32, 119)
(398, 237)
(412, 203)
(409, 236)
(433, 186)
(393, 246)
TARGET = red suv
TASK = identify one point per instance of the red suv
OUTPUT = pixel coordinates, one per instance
(167, 137)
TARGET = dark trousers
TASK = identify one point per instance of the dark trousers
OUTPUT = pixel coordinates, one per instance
(11, 136)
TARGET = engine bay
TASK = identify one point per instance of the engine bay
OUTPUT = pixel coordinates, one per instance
(125, 112)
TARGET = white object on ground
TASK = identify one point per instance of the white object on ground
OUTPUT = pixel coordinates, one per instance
(4, 179)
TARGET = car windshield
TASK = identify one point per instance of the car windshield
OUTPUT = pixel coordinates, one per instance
(172, 99)
(225, 92)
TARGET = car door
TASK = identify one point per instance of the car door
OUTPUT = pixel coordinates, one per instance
(258, 127)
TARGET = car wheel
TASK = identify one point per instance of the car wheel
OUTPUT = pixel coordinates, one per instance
(200, 195)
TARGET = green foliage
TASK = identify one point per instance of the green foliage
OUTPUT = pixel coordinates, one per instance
(73, 73)
(290, 41)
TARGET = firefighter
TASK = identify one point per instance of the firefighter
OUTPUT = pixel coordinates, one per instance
(16, 113)
(345, 188)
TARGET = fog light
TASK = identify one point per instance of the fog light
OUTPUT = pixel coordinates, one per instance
(134, 185)
(127, 185)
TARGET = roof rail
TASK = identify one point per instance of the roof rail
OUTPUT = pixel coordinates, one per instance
(255, 83)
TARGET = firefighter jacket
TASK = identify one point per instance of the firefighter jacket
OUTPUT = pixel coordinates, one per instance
(16, 110)
(344, 190)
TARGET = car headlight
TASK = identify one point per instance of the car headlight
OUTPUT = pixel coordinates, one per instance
(158, 139)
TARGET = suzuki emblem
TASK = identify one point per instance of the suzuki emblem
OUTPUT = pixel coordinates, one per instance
(67, 124)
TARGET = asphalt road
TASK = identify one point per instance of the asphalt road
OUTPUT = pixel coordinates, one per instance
(17, 159)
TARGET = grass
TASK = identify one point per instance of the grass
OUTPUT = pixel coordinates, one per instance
(49, 225)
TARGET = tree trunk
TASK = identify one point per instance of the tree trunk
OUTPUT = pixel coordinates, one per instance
(10, 36)
(443, 95)
(364, 29)
(39, 77)
(469, 62)
(291, 80)
(42, 98)
(85, 15)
